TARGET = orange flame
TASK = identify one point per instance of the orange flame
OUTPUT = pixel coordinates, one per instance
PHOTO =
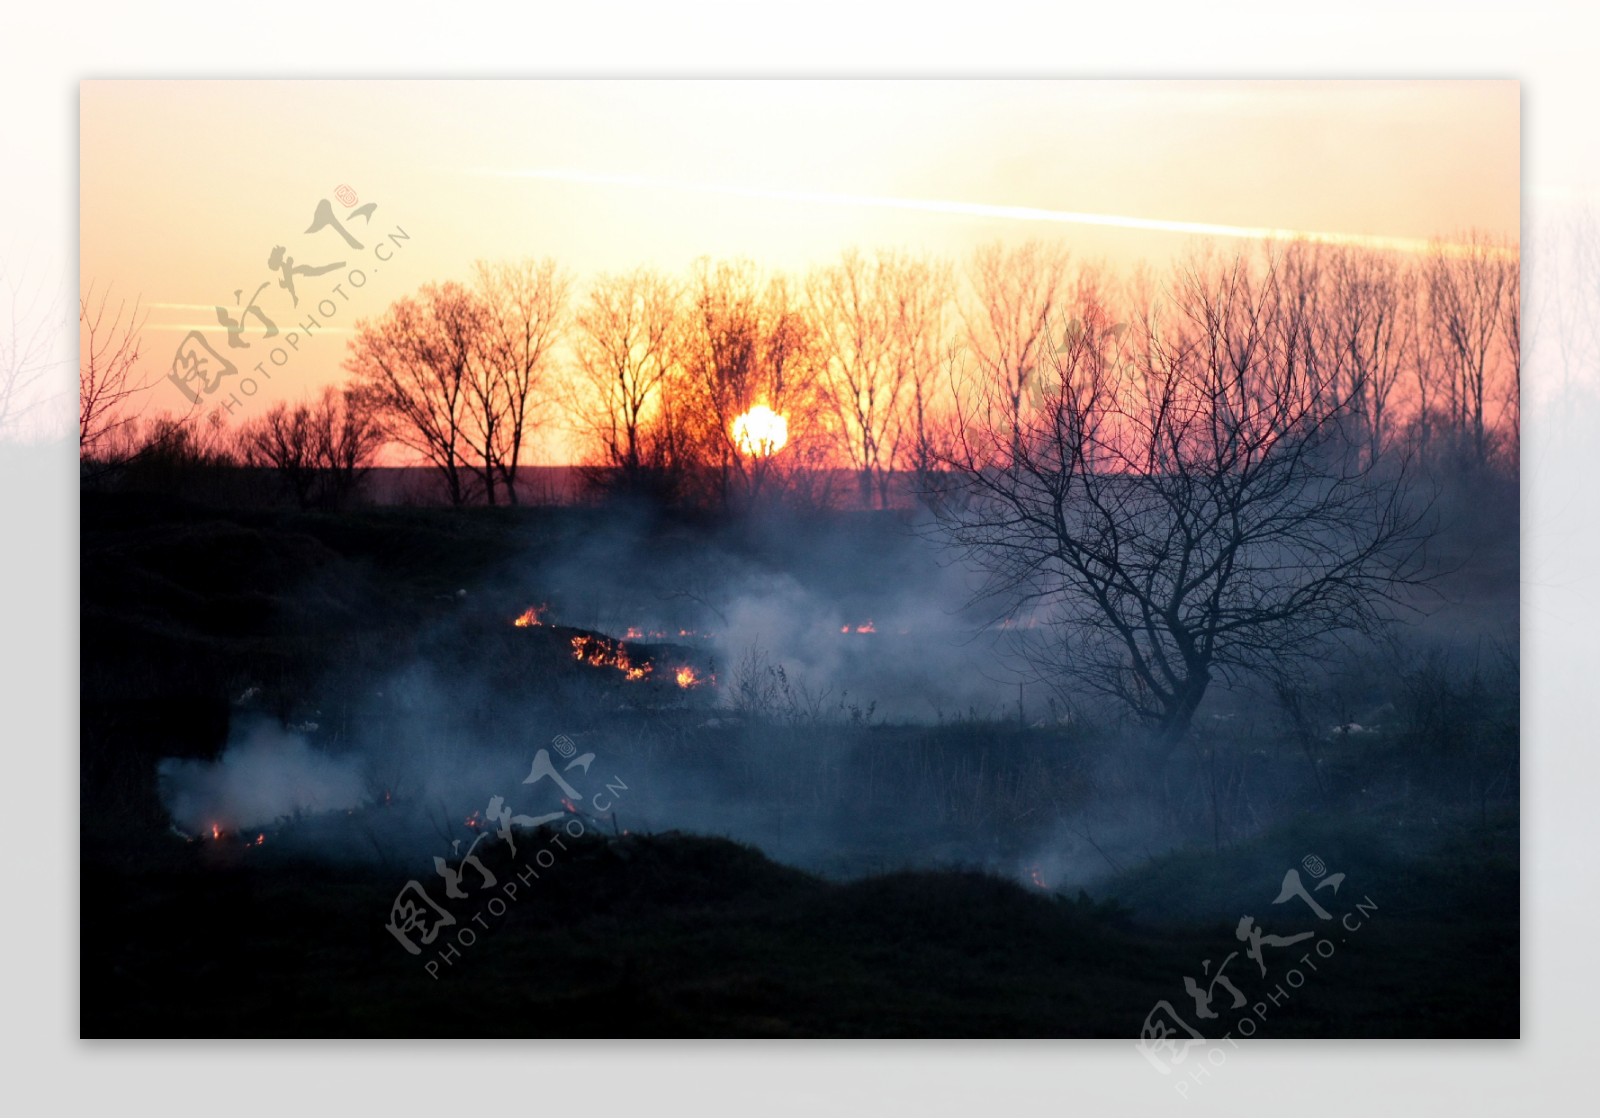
(605, 653)
(261, 838)
(687, 677)
(216, 831)
(532, 616)
(1038, 879)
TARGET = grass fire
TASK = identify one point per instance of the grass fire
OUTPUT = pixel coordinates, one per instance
(825, 641)
(530, 617)
(605, 653)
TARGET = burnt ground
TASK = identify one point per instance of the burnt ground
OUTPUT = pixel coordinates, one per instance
(651, 935)
(684, 936)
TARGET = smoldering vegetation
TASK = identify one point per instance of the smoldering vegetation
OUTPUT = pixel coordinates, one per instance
(265, 775)
(1135, 567)
(855, 707)
(864, 817)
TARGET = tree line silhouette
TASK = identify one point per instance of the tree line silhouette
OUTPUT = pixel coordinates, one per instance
(888, 366)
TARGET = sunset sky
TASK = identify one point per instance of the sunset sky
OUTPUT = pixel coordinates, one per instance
(188, 186)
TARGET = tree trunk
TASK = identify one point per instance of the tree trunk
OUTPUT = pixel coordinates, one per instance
(1175, 725)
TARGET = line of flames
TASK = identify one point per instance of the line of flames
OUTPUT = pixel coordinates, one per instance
(603, 652)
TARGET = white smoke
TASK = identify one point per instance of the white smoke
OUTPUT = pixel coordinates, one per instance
(263, 775)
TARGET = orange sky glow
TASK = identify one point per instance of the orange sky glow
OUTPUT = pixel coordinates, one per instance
(187, 187)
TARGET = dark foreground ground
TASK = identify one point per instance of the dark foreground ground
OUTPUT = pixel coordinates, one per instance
(673, 934)
(678, 935)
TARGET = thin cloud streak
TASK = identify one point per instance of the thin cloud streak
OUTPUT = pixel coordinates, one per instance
(204, 326)
(991, 210)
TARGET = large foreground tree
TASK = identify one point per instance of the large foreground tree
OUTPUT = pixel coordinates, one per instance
(1180, 502)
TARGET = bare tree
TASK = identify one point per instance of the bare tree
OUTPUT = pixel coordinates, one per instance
(1371, 319)
(416, 365)
(1018, 293)
(922, 295)
(747, 341)
(109, 375)
(1186, 511)
(625, 335)
(281, 439)
(1350, 314)
(320, 448)
(1511, 336)
(456, 373)
(1468, 287)
(192, 453)
(879, 321)
(524, 313)
(27, 321)
(850, 309)
(348, 438)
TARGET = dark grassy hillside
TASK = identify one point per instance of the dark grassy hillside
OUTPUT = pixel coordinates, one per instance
(681, 936)
(912, 917)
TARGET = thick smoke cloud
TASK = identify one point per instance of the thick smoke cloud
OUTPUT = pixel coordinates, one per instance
(811, 627)
(784, 591)
(868, 715)
(264, 775)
